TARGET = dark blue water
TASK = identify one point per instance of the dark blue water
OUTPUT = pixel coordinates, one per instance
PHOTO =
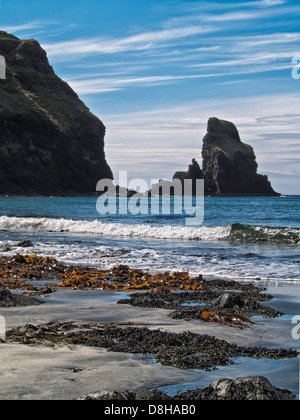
(241, 237)
(219, 211)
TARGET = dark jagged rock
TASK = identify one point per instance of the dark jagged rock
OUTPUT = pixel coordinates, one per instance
(229, 166)
(25, 244)
(194, 172)
(5, 296)
(9, 300)
(169, 189)
(50, 143)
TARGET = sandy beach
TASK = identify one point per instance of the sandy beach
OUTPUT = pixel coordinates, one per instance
(69, 372)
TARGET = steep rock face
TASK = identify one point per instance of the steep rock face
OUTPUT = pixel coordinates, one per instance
(50, 143)
(229, 166)
(194, 172)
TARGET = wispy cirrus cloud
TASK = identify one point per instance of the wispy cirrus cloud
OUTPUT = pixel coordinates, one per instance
(236, 55)
(266, 59)
(142, 41)
(222, 13)
(23, 27)
(268, 3)
(253, 10)
(215, 6)
(269, 39)
(237, 59)
(86, 86)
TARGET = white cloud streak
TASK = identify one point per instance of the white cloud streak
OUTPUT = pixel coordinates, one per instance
(100, 85)
(28, 26)
(24, 27)
(142, 41)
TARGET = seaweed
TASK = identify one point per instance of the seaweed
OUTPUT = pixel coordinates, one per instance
(184, 350)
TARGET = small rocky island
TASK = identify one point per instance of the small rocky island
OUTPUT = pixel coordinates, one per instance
(229, 166)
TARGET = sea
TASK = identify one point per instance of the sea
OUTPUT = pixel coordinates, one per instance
(247, 239)
(241, 238)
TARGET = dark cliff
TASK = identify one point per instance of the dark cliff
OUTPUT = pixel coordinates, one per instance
(50, 143)
(229, 166)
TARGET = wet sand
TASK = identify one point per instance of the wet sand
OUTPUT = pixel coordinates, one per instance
(29, 372)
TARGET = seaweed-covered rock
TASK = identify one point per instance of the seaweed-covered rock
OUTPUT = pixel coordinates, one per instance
(255, 388)
(244, 389)
(9, 300)
(25, 244)
(126, 396)
(240, 300)
(229, 301)
(5, 296)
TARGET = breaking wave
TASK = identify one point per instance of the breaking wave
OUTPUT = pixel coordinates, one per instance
(114, 229)
(264, 234)
(235, 233)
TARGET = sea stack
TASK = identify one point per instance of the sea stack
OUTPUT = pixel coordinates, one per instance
(229, 166)
(50, 143)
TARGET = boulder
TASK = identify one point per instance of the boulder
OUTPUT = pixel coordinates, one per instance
(255, 388)
(25, 244)
(5, 296)
(229, 301)
(127, 396)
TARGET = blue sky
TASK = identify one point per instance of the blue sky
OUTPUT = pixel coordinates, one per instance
(155, 71)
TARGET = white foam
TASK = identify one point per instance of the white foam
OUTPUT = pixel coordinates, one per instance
(115, 229)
